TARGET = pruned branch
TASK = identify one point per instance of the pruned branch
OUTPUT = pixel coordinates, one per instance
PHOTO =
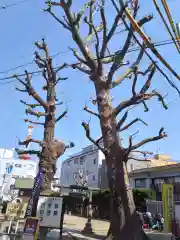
(122, 120)
(31, 90)
(91, 112)
(27, 141)
(64, 65)
(34, 113)
(31, 152)
(120, 54)
(140, 98)
(107, 37)
(75, 53)
(74, 30)
(161, 135)
(59, 79)
(131, 123)
(88, 135)
(144, 153)
(21, 90)
(33, 105)
(97, 45)
(139, 160)
(65, 25)
(62, 115)
(129, 71)
(148, 81)
(35, 123)
(81, 67)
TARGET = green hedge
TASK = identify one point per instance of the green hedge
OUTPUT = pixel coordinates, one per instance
(101, 198)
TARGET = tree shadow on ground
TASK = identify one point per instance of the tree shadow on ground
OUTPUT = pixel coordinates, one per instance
(94, 235)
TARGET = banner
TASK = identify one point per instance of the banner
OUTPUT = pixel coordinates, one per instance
(168, 206)
(32, 203)
(31, 228)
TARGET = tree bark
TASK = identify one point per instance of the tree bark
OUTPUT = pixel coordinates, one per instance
(124, 222)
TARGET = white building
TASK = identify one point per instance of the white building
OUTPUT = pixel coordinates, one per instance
(12, 168)
(89, 159)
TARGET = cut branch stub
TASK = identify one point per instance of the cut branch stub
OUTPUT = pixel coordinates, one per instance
(48, 158)
(37, 114)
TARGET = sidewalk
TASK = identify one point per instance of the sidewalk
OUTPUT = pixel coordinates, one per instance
(77, 223)
(73, 226)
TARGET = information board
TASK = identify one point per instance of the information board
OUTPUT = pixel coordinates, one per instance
(49, 211)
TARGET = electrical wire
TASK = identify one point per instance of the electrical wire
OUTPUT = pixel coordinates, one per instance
(160, 43)
(166, 25)
(4, 7)
(157, 44)
(166, 8)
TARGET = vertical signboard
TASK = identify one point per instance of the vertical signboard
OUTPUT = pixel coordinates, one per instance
(33, 200)
(168, 206)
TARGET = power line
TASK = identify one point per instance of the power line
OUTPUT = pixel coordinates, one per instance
(157, 44)
(4, 7)
(160, 43)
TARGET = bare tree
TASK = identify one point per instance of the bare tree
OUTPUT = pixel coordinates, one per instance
(125, 223)
(51, 148)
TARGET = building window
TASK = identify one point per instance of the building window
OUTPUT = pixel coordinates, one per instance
(82, 160)
(94, 161)
(76, 161)
(49, 205)
(55, 213)
(43, 205)
(140, 183)
(56, 205)
(48, 212)
(94, 177)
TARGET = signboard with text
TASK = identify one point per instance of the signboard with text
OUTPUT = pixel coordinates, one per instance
(49, 211)
(168, 206)
(31, 228)
(16, 210)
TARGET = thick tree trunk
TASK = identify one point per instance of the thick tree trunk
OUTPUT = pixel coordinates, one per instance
(47, 155)
(125, 223)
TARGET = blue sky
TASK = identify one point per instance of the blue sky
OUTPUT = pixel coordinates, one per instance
(25, 23)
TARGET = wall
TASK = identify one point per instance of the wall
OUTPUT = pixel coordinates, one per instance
(103, 180)
(134, 165)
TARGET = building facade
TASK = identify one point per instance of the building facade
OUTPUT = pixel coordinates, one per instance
(133, 164)
(11, 169)
(88, 160)
(153, 178)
